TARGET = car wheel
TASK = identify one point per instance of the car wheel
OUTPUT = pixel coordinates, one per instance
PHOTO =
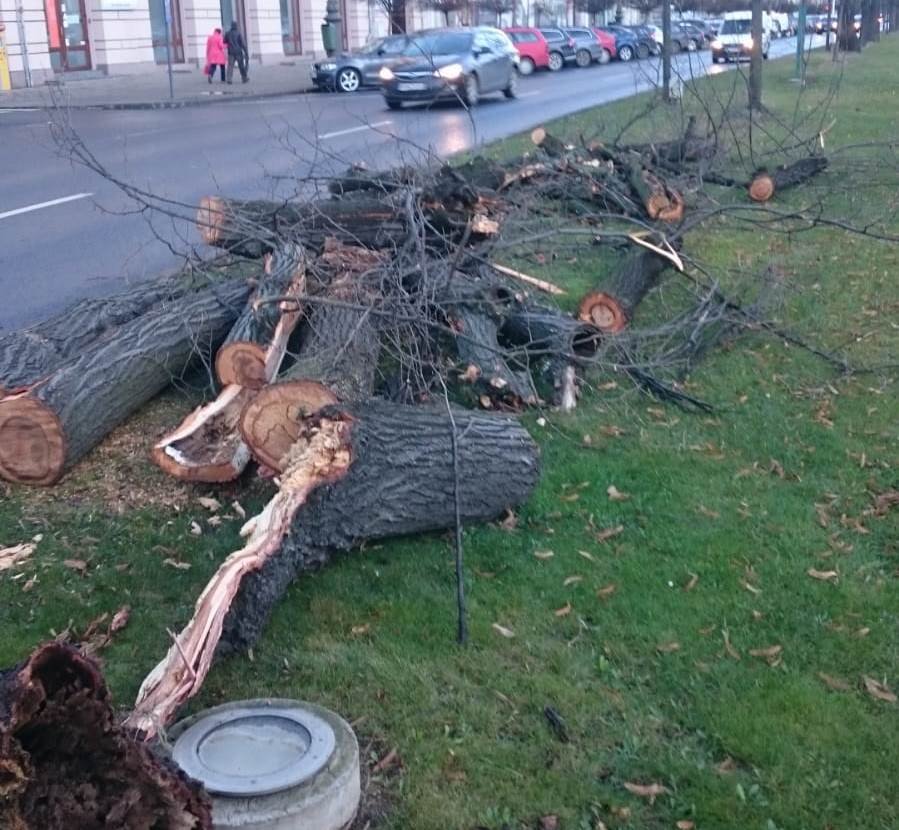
(526, 66)
(472, 91)
(348, 80)
(691, 45)
(583, 58)
(556, 61)
(393, 104)
(625, 53)
(511, 89)
(605, 56)
(642, 51)
(656, 50)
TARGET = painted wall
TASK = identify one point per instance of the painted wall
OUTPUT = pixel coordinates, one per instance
(35, 39)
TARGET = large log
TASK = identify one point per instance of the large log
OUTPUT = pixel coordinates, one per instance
(29, 355)
(254, 348)
(67, 764)
(765, 183)
(611, 306)
(46, 429)
(356, 473)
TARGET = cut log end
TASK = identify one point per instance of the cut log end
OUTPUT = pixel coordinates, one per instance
(603, 311)
(32, 442)
(272, 421)
(207, 446)
(242, 364)
(761, 188)
(666, 207)
(210, 216)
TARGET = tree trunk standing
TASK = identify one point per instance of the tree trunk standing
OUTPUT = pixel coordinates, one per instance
(666, 50)
(51, 426)
(356, 473)
(67, 764)
(755, 58)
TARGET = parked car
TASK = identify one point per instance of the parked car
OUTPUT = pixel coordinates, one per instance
(625, 41)
(533, 49)
(734, 42)
(701, 25)
(588, 47)
(681, 41)
(695, 37)
(715, 24)
(351, 71)
(460, 63)
(646, 37)
(642, 45)
(560, 45)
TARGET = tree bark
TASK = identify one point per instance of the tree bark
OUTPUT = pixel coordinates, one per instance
(29, 355)
(356, 473)
(755, 57)
(45, 430)
(67, 764)
(765, 184)
(254, 348)
(612, 305)
(546, 141)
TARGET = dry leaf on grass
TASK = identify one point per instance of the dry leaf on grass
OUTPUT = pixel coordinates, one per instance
(572, 580)
(668, 648)
(550, 822)
(884, 501)
(509, 521)
(751, 588)
(685, 824)
(503, 631)
(609, 532)
(835, 683)
(878, 690)
(728, 647)
(78, 565)
(211, 504)
(587, 555)
(237, 507)
(650, 791)
(564, 611)
(691, 584)
(390, 759)
(612, 431)
(823, 576)
(544, 554)
(471, 373)
(176, 564)
(861, 632)
(214, 521)
(615, 494)
(195, 529)
(606, 591)
(15, 555)
(769, 653)
(726, 767)
(358, 630)
(705, 511)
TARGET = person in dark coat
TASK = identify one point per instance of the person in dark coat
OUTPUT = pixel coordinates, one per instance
(237, 52)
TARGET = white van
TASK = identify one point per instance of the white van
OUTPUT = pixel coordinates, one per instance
(734, 41)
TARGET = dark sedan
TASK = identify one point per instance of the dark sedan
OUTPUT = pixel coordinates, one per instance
(461, 64)
(587, 47)
(626, 42)
(353, 70)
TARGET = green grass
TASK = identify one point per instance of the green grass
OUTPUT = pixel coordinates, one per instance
(373, 635)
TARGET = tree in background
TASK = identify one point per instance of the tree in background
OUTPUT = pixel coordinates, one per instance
(396, 14)
(594, 8)
(755, 58)
(645, 7)
(497, 8)
(445, 7)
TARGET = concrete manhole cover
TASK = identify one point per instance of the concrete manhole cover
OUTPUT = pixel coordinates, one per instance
(255, 750)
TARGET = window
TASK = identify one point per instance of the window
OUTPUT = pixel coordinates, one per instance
(439, 44)
(524, 37)
(736, 27)
(552, 34)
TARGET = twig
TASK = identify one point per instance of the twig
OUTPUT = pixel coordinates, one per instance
(543, 285)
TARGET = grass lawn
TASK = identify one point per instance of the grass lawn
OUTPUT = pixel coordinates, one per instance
(643, 642)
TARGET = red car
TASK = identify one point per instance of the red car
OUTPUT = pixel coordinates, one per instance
(607, 42)
(533, 50)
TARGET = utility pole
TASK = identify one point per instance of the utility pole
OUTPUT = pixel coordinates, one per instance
(666, 49)
(755, 58)
(167, 6)
(23, 45)
(800, 43)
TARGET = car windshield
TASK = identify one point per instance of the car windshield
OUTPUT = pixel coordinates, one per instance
(442, 43)
(736, 27)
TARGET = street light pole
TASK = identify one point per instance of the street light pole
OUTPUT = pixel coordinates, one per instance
(168, 46)
(800, 42)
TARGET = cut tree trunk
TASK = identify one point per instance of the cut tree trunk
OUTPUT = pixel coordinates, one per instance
(356, 473)
(661, 202)
(764, 183)
(252, 353)
(48, 428)
(552, 146)
(29, 355)
(611, 306)
(67, 764)
(207, 446)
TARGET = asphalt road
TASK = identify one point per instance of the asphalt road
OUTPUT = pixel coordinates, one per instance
(67, 233)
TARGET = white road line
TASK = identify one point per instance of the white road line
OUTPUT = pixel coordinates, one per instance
(42, 205)
(529, 94)
(364, 127)
(17, 109)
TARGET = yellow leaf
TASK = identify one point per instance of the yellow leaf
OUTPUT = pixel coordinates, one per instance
(878, 690)
(503, 631)
(824, 576)
(16, 555)
(726, 767)
(615, 494)
(650, 791)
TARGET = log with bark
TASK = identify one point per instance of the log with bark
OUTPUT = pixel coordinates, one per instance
(548, 143)
(610, 307)
(46, 429)
(254, 348)
(766, 183)
(356, 473)
(689, 148)
(67, 764)
(29, 355)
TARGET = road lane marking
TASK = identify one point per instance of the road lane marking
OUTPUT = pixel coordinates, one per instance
(529, 94)
(17, 109)
(364, 127)
(41, 205)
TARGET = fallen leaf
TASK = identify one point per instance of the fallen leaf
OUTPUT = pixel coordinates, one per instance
(650, 791)
(691, 584)
(612, 431)
(358, 630)
(757, 615)
(564, 611)
(237, 507)
(550, 822)
(386, 762)
(824, 576)
(878, 690)
(751, 588)
(769, 653)
(615, 494)
(610, 532)
(823, 515)
(726, 767)
(211, 504)
(861, 632)
(509, 521)
(120, 619)
(15, 555)
(884, 501)
(606, 591)
(705, 511)
(586, 555)
(570, 497)
(215, 521)
(572, 580)
(728, 647)
(835, 683)
(777, 468)
(471, 373)
(668, 648)
(508, 633)
(175, 563)
(29, 584)
(78, 565)
(685, 824)
(485, 402)
(195, 529)
(607, 386)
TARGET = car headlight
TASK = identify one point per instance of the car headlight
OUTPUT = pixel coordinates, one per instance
(451, 72)
(386, 74)
(717, 44)
(327, 67)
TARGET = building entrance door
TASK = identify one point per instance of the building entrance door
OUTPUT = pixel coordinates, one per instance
(235, 10)
(291, 36)
(157, 25)
(67, 35)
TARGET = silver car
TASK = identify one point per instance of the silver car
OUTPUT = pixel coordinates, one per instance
(351, 71)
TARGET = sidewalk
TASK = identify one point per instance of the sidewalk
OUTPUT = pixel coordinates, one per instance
(150, 90)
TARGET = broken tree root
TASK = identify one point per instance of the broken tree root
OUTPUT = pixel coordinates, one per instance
(65, 763)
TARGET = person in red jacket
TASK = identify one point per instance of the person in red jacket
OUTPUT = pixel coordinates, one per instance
(215, 54)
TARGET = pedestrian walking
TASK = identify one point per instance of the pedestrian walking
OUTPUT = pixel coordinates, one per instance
(237, 52)
(215, 54)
